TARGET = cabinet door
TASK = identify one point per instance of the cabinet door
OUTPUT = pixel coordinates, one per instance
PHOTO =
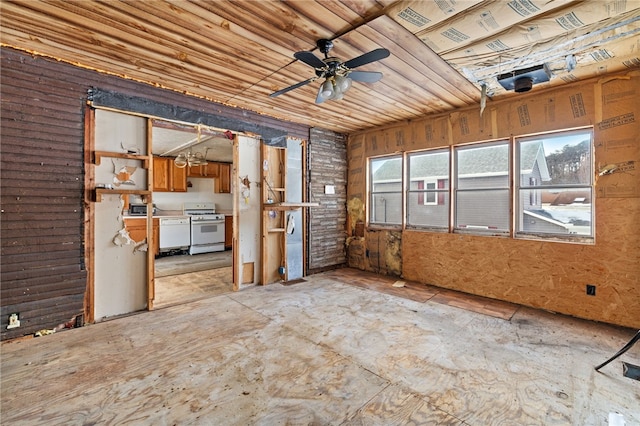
(225, 178)
(194, 171)
(178, 178)
(161, 174)
(211, 170)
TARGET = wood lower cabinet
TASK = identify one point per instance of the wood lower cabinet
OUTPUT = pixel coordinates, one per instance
(228, 232)
(137, 229)
(167, 177)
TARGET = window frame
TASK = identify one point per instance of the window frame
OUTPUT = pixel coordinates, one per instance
(442, 194)
(514, 186)
(481, 230)
(371, 194)
(518, 189)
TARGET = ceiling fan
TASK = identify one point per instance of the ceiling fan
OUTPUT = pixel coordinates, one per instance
(338, 75)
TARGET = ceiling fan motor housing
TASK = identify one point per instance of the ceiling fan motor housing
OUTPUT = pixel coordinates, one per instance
(325, 45)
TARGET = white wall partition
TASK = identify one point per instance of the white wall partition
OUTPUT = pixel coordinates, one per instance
(120, 281)
(246, 190)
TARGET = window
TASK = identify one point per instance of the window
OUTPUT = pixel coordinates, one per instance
(555, 189)
(535, 187)
(385, 202)
(428, 189)
(482, 196)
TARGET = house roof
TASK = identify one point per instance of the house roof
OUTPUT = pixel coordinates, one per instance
(479, 161)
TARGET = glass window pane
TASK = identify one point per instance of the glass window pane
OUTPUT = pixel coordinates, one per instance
(556, 178)
(385, 202)
(482, 188)
(428, 214)
(386, 208)
(483, 210)
(558, 159)
(559, 211)
(384, 170)
(483, 167)
(428, 197)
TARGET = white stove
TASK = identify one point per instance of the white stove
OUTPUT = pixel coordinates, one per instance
(207, 227)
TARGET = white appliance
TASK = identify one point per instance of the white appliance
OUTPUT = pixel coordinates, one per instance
(207, 227)
(175, 233)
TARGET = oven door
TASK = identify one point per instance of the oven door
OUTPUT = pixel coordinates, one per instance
(206, 232)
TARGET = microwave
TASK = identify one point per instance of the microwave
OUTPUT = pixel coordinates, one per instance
(139, 209)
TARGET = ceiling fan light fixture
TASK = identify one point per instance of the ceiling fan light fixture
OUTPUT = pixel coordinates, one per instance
(327, 90)
(343, 83)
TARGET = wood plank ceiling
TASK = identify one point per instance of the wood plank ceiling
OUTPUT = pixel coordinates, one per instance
(239, 52)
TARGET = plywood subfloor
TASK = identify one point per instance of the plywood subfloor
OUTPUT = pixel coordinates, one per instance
(423, 292)
(321, 352)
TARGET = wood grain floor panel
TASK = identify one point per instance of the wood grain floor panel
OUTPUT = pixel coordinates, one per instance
(319, 352)
(424, 292)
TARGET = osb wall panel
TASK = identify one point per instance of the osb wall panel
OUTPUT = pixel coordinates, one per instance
(546, 275)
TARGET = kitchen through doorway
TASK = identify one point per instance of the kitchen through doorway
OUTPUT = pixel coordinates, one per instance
(181, 278)
(198, 262)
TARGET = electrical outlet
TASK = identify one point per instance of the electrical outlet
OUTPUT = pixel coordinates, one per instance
(591, 290)
(14, 321)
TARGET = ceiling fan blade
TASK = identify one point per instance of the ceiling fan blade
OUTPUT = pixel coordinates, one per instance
(295, 86)
(309, 59)
(365, 76)
(374, 55)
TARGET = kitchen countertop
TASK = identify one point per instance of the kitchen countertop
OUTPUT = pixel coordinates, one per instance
(171, 213)
(156, 216)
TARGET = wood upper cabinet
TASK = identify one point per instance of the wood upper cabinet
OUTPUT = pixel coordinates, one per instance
(167, 177)
(178, 178)
(224, 179)
(209, 170)
(194, 171)
(137, 229)
(161, 174)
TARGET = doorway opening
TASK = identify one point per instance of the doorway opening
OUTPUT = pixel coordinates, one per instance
(203, 158)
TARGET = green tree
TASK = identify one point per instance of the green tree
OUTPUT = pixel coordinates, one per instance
(571, 164)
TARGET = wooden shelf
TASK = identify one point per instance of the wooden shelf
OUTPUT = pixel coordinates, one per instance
(98, 155)
(289, 206)
(104, 191)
